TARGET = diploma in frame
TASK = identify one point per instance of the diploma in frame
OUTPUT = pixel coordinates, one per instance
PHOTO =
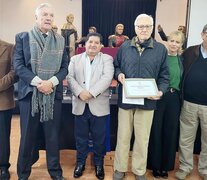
(140, 88)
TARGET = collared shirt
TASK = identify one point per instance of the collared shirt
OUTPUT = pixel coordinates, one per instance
(203, 52)
(89, 64)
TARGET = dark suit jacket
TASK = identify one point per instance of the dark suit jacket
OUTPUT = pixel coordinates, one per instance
(22, 67)
(190, 56)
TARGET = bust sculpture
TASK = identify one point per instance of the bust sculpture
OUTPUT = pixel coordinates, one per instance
(118, 38)
(69, 32)
(82, 40)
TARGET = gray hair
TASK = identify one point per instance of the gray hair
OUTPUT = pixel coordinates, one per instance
(144, 15)
(37, 11)
(205, 29)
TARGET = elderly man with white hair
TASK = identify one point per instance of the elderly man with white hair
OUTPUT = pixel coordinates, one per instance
(41, 62)
(141, 57)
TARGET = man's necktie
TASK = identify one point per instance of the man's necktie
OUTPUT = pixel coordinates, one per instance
(44, 35)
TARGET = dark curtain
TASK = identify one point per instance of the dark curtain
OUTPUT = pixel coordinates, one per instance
(105, 14)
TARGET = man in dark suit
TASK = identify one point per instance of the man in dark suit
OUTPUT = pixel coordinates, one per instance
(41, 62)
(7, 79)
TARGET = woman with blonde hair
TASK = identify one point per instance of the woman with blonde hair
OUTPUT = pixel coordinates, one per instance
(165, 126)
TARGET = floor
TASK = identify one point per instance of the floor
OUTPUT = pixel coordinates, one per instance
(39, 170)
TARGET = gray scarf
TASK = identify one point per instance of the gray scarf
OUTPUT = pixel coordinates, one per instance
(46, 58)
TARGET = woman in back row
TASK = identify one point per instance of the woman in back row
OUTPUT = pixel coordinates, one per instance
(164, 132)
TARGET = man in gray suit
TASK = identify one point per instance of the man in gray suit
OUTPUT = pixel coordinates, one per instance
(89, 78)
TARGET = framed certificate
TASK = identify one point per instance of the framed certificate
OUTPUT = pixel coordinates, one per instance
(140, 88)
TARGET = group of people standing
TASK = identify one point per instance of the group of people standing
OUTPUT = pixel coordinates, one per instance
(40, 63)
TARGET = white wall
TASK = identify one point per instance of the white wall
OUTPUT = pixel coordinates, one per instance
(18, 15)
(197, 20)
(1, 18)
(170, 14)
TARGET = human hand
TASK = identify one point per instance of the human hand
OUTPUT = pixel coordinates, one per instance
(85, 95)
(45, 87)
(121, 78)
(159, 28)
(160, 93)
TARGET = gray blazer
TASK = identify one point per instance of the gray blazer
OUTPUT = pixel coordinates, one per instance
(101, 76)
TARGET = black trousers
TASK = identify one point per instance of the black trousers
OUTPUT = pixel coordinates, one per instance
(29, 133)
(5, 129)
(85, 125)
(164, 133)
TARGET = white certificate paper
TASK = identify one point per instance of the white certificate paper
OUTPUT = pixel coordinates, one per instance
(140, 88)
(137, 101)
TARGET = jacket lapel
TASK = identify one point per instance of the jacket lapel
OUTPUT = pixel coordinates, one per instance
(2, 49)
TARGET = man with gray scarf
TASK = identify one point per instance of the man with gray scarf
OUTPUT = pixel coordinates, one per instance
(41, 62)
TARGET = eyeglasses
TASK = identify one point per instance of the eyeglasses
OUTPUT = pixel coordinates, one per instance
(141, 27)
